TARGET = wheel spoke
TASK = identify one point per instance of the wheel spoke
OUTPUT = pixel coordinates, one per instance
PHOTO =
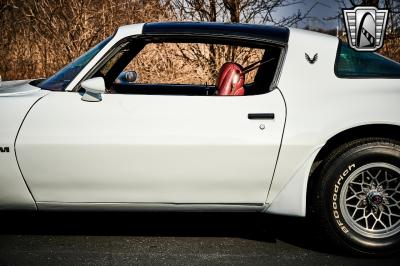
(362, 217)
(354, 192)
(383, 224)
(354, 212)
(366, 221)
(376, 176)
(352, 197)
(376, 221)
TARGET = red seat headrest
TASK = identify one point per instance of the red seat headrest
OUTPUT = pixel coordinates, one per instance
(230, 79)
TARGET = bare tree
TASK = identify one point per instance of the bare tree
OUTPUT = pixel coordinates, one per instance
(234, 11)
(39, 37)
(245, 11)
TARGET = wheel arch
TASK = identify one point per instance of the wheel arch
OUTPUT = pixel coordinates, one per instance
(364, 131)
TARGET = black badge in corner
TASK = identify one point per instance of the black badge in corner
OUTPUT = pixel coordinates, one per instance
(311, 60)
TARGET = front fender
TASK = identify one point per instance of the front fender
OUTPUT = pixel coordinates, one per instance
(14, 193)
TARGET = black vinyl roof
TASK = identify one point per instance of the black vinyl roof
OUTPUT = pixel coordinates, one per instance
(270, 33)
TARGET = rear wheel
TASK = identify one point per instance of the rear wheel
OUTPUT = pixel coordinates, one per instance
(357, 196)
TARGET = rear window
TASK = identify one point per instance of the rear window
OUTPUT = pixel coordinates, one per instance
(353, 64)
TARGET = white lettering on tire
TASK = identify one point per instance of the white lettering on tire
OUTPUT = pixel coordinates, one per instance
(336, 189)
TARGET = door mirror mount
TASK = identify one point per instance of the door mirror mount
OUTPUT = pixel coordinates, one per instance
(94, 88)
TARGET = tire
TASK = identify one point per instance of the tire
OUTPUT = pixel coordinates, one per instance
(356, 197)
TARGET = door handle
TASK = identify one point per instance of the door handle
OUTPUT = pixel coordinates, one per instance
(261, 116)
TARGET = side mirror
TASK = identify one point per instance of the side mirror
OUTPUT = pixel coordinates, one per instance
(94, 88)
(131, 76)
(127, 77)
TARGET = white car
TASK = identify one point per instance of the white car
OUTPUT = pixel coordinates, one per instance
(295, 123)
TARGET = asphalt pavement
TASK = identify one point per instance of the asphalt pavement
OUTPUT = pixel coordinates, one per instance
(64, 238)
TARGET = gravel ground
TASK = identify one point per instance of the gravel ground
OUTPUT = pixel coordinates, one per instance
(166, 239)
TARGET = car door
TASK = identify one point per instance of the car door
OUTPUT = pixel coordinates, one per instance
(151, 148)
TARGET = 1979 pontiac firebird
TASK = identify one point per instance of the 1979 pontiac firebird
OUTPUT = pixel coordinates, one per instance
(294, 123)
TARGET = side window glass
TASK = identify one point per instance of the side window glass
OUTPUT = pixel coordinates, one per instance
(189, 63)
(351, 63)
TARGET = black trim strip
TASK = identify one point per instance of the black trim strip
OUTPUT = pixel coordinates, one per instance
(271, 33)
(264, 116)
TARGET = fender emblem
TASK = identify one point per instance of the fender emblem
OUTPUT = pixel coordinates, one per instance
(313, 60)
(4, 149)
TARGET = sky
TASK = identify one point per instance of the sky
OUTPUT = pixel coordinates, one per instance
(320, 13)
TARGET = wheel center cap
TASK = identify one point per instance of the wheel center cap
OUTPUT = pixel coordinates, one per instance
(375, 198)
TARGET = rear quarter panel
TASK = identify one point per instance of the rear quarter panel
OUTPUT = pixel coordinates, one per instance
(319, 106)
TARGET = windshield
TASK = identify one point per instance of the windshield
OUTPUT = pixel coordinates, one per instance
(60, 80)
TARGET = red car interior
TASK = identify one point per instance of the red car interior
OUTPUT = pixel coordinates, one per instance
(231, 80)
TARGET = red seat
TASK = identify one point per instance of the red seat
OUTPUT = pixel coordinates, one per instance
(230, 80)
